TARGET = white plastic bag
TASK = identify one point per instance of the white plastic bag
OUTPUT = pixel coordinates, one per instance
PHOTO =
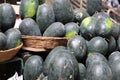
(16, 77)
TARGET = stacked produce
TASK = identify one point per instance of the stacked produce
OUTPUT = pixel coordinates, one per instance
(92, 49)
(9, 36)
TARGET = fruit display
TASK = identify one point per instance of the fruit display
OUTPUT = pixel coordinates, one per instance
(91, 50)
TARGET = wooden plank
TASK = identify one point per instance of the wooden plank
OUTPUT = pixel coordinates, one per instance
(76, 3)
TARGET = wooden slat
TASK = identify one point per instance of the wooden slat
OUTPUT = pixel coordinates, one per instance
(76, 3)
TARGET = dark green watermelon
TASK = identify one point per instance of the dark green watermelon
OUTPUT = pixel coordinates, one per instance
(3, 41)
(64, 66)
(50, 58)
(82, 71)
(98, 44)
(95, 57)
(93, 6)
(72, 29)
(78, 47)
(56, 29)
(114, 56)
(7, 16)
(28, 8)
(33, 67)
(63, 11)
(115, 30)
(115, 67)
(118, 42)
(87, 27)
(99, 15)
(14, 38)
(99, 71)
(44, 16)
(80, 14)
(112, 44)
(29, 27)
(104, 27)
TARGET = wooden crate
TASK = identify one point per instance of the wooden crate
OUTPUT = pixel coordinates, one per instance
(110, 11)
(78, 3)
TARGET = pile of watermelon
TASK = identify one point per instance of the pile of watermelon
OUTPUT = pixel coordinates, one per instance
(92, 50)
(9, 36)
